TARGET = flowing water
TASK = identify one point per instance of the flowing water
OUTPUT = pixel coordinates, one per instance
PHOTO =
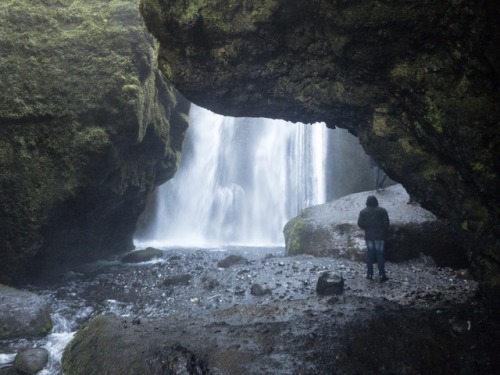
(239, 182)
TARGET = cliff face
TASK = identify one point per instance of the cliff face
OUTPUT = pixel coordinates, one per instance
(416, 81)
(88, 127)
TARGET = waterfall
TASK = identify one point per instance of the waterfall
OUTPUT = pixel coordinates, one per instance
(239, 181)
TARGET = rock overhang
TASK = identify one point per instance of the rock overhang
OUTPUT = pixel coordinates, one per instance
(417, 82)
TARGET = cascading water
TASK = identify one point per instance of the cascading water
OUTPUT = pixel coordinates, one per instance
(239, 182)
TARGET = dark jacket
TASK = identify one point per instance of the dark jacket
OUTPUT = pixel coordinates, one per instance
(374, 220)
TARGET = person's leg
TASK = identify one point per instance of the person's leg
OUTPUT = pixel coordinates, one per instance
(379, 253)
(370, 256)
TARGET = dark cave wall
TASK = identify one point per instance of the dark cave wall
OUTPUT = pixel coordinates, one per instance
(88, 128)
(416, 81)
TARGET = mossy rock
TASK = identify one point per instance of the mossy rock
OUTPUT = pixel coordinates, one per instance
(23, 314)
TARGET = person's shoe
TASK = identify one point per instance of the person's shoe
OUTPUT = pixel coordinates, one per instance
(369, 277)
(383, 279)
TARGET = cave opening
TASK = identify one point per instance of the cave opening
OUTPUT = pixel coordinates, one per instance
(241, 179)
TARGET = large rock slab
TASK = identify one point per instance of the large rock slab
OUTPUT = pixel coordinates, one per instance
(23, 314)
(331, 229)
(313, 336)
(88, 128)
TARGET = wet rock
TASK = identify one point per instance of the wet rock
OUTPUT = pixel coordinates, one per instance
(209, 283)
(23, 314)
(150, 349)
(31, 361)
(331, 229)
(231, 260)
(140, 256)
(329, 284)
(258, 290)
(175, 280)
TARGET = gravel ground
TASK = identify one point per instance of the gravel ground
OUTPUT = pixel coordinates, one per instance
(262, 315)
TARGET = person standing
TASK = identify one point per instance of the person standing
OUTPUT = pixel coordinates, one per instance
(374, 220)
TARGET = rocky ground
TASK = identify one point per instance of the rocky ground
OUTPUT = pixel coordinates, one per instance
(259, 313)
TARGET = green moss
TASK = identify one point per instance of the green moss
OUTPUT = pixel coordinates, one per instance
(435, 116)
(294, 235)
(71, 40)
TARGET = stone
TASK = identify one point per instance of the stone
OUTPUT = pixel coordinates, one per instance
(23, 314)
(258, 290)
(329, 284)
(31, 361)
(231, 260)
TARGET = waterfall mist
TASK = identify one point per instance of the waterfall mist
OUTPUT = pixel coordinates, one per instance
(240, 180)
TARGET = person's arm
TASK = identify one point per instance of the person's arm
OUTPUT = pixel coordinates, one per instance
(361, 221)
(386, 221)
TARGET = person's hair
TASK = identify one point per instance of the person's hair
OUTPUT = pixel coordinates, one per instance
(372, 201)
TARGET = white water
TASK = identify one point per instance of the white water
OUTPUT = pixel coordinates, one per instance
(239, 182)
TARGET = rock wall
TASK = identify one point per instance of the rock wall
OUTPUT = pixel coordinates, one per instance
(416, 81)
(88, 128)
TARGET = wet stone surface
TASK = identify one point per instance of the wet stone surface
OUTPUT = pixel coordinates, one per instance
(266, 309)
(191, 280)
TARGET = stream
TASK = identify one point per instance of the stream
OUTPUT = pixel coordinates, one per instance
(123, 289)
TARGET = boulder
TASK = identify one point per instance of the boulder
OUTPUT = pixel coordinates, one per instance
(331, 229)
(23, 314)
(88, 128)
(31, 361)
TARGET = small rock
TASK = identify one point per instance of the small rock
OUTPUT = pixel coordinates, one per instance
(174, 280)
(31, 361)
(258, 290)
(329, 284)
(231, 260)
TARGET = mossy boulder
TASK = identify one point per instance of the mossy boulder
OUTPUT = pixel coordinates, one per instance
(23, 314)
(31, 361)
(88, 128)
(331, 229)
(417, 82)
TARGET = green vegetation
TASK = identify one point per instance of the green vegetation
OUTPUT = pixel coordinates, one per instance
(59, 44)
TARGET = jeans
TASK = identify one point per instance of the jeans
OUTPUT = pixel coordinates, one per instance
(375, 251)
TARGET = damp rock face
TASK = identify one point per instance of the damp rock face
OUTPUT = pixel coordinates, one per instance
(419, 91)
(88, 127)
